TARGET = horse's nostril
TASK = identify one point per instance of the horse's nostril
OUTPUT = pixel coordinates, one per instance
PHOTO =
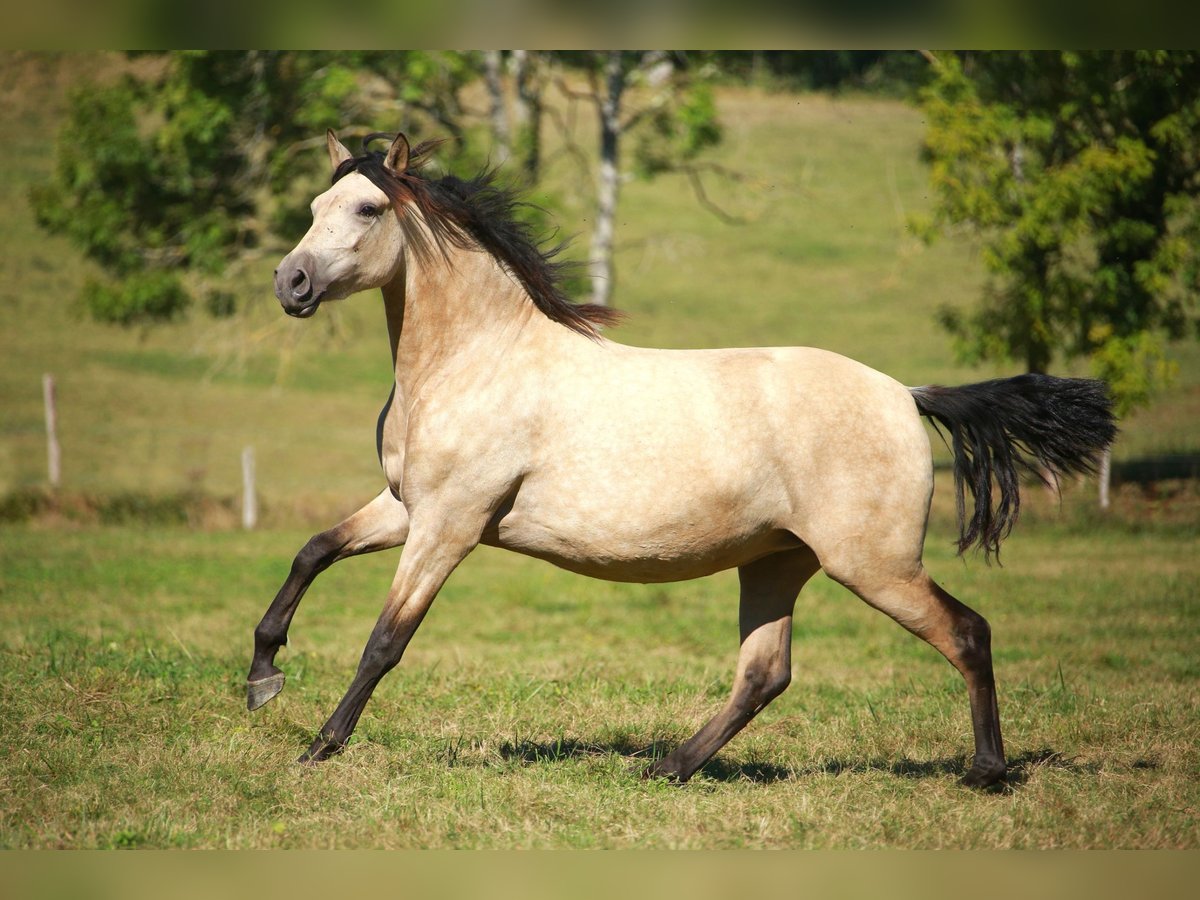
(301, 287)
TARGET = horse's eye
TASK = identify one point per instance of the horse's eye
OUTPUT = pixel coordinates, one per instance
(368, 210)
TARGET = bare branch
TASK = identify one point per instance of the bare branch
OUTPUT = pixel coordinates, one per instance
(349, 131)
(931, 58)
(702, 197)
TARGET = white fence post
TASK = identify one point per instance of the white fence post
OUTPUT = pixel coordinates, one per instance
(53, 452)
(1105, 477)
(249, 498)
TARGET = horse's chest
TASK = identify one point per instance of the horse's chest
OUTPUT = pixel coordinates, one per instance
(391, 437)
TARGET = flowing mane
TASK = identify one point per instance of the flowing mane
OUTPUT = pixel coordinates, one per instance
(476, 213)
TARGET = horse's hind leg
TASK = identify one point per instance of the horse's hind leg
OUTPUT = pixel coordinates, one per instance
(964, 638)
(380, 525)
(768, 595)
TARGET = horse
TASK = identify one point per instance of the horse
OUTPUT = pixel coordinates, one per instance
(514, 422)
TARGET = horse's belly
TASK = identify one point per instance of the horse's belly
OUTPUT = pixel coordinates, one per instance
(629, 546)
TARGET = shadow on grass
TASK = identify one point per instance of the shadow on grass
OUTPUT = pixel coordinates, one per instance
(717, 769)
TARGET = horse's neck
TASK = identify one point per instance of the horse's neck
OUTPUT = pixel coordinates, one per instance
(464, 309)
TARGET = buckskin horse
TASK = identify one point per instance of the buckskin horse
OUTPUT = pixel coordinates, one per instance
(514, 423)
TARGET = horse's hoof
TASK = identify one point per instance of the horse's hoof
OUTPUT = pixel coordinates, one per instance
(658, 772)
(322, 748)
(263, 690)
(985, 777)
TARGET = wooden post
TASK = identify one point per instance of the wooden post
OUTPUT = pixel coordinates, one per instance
(249, 498)
(1105, 476)
(53, 451)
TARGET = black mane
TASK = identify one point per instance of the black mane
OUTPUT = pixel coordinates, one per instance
(477, 213)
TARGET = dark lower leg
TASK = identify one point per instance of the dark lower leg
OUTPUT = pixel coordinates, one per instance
(749, 698)
(382, 653)
(974, 660)
(769, 589)
(420, 576)
(989, 766)
(381, 524)
(271, 634)
(965, 639)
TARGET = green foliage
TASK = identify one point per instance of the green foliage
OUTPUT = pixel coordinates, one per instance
(1079, 173)
(1135, 366)
(681, 123)
(141, 297)
(185, 170)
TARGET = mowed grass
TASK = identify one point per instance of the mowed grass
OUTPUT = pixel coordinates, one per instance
(531, 698)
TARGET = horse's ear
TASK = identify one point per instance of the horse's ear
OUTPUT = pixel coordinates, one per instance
(338, 153)
(397, 155)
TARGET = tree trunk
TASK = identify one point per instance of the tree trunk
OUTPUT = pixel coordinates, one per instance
(600, 261)
(499, 117)
(528, 111)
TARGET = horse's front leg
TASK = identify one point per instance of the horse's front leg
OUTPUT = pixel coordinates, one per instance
(380, 525)
(429, 557)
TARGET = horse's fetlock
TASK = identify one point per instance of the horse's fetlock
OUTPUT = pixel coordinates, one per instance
(267, 636)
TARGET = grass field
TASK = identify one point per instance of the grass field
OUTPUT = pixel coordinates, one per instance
(531, 697)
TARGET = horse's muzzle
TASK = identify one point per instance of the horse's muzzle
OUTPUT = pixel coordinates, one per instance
(294, 286)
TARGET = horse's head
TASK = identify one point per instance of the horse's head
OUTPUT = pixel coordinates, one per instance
(355, 242)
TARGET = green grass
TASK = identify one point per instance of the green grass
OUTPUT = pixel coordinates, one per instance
(530, 698)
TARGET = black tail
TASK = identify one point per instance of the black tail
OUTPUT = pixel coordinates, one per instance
(1039, 423)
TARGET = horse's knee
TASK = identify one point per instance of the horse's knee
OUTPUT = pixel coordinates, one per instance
(317, 554)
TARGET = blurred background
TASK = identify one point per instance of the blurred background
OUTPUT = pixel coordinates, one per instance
(943, 217)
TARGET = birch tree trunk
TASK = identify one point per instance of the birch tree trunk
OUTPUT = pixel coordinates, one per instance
(497, 112)
(600, 263)
(527, 111)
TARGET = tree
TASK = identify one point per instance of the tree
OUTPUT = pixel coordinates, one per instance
(1080, 174)
(675, 119)
(166, 181)
(497, 112)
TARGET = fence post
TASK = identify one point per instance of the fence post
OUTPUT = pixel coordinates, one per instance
(53, 451)
(249, 498)
(1105, 476)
